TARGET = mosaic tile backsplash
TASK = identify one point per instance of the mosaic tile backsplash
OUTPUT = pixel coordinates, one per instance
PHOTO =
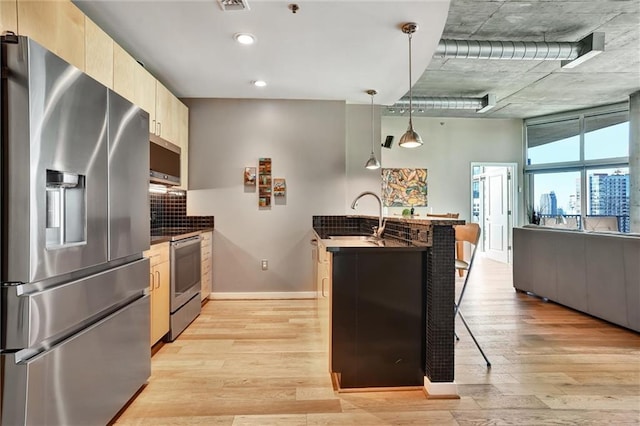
(170, 211)
(413, 233)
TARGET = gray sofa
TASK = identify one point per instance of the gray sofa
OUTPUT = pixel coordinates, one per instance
(593, 272)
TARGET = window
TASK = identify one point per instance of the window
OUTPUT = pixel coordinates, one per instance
(556, 198)
(553, 142)
(606, 136)
(608, 195)
(578, 168)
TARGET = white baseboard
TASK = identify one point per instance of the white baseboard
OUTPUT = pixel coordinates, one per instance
(256, 295)
(443, 390)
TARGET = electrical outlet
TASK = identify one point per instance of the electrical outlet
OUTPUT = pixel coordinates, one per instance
(265, 264)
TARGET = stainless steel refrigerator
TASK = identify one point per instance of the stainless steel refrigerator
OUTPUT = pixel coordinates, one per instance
(74, 304)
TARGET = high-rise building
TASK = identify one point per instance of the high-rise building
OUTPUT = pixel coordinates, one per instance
(609, 196)
(549, 204)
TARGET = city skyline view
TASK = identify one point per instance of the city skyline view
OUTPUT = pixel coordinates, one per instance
(603, 143)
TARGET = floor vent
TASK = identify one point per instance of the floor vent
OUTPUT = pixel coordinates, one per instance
(229, 5)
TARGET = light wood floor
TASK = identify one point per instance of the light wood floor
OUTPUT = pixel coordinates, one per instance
(261, 363)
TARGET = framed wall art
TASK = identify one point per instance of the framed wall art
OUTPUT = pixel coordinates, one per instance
(279, 187)
(404, 187)
(264, 182)
(250, 176)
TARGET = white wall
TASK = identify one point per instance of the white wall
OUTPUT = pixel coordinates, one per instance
(450, 146)
(358, 150)
(320, 148)
(306, 142)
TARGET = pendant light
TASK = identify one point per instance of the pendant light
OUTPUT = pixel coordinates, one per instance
(372, 163)
(410, 139)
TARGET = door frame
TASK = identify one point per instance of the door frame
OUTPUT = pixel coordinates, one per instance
(512, 168)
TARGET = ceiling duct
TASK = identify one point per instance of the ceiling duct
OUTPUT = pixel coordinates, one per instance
(420, 104)
(230, 5)
(570, 53)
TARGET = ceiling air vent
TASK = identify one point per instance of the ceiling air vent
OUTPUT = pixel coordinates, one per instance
(229, 5)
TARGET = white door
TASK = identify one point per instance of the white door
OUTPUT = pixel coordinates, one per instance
(496, 211)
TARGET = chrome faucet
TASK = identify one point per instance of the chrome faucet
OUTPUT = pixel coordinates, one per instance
(377, 230)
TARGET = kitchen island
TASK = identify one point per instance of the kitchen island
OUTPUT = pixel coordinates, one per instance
(388, 301)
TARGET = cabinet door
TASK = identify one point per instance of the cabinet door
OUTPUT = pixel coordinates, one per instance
(98, 53)
(206, 255)
(183, 139)
(56, 25)
(152, 284)
(160, 302)
(145, 94)
(163, 112)
(124, 69)
(323, 283)
(168, 110)
(8, 16)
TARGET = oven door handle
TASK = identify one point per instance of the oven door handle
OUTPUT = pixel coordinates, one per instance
(187, 242)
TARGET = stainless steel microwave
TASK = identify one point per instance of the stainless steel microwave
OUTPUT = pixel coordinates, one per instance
(164, 161)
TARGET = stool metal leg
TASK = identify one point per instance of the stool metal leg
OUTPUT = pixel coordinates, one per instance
(474, 339)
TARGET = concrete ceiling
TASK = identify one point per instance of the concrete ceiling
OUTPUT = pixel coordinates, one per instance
(332, 50)
(533, 88)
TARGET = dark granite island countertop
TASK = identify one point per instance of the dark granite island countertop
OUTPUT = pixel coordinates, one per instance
(391, 302)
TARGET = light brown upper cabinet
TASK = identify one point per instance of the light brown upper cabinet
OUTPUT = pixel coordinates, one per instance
(167, 114)
(124, 69)
(56, 25)
(172, 124)
(134, 82)
(8, 16)
(183, 132)
(98, 53)
(145, 94)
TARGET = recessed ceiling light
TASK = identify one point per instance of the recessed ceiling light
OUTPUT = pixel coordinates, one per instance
(259, 83)
(245, 38)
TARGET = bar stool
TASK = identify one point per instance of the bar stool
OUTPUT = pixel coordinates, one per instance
(470, 233)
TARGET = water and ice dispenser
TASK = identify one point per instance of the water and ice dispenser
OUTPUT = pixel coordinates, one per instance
(66, 209)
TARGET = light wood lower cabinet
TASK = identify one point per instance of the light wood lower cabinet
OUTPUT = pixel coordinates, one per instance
(207, 261)
(159, 281)
(323, 291)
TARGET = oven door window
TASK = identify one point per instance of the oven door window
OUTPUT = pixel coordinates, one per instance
(187, 268)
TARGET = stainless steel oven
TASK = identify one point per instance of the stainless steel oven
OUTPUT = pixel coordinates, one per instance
(185, 282)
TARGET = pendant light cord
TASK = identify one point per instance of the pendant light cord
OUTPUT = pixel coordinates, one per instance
(372, 125)
(410, 88)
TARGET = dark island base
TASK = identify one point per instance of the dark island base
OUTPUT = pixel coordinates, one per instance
(377, 303)
(435, 240)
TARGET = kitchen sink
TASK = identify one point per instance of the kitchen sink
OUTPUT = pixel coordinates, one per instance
(353, 237)
(355, 241)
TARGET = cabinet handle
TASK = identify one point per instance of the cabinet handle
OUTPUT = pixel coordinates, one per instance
(158, 128)
(152, 281)
(158, 272)
(154, 125)
(323, 295)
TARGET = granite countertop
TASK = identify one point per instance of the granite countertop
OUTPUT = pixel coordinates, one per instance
(340, 245)
(162, 235)
(421, 220)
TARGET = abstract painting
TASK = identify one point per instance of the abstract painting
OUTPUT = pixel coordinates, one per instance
(404, 187)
